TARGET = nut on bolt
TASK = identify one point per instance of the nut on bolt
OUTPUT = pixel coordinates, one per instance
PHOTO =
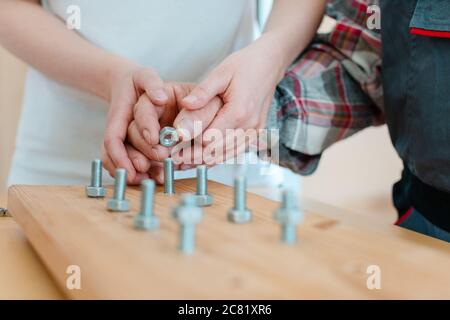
(239, 213)
(168, 136)
(188, 216)
(146, 219)
(118, 202)
(289, 216)
(95, 189)
(202, 197)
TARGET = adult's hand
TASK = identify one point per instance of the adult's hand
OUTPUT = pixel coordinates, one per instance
(128, 84)
(148, 117)
(246, 82)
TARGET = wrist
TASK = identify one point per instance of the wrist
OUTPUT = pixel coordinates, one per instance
(117, 68)
(281, 47)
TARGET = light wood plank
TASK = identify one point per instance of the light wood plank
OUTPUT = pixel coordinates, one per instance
(231, 261)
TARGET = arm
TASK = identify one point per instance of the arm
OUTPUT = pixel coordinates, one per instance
(332, 91)
(44, 42)
(247, 79)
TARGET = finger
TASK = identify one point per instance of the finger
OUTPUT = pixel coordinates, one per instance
(113, 142)
(139, 178)
(214, 85)
(137, 141)
(147, 120)
(108, 164)
(157, 172)
(230, 146)
(191, 123)
(119, 156)
(160, 152)
(141, 162)
(148, 80)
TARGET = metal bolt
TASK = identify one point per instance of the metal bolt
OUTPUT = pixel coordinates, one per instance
(202, 197)
(118, 202)
(96, 190)
(188, 215)
(239, 213)
(168, 136)
(169, 183)
(289, 216)
(3, 212)
(146, 219)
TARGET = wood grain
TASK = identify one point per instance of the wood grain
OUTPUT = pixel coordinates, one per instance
(22, 276)
(231, 261)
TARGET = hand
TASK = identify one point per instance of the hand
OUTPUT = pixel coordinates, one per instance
(128, 84)
(246, 82)
(147, 157)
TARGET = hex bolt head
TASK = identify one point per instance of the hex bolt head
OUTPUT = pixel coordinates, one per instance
(146, 219)
(239, 213)
(169, 179)
(188, 215)
(202, 197)
(118, 203)
(95, 189)
(168, 137)
(289, 216)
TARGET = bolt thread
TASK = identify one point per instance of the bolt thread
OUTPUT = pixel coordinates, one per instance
(96, 173)
(202, 180)
(148, 191)
(120, 184)
(288, 199)
(187, 238)
(240, 196)
(289, 233)
(168, 176)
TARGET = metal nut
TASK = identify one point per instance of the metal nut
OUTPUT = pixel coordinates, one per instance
(239, 216)
(95, 192)
(168, 137)
(118, 205)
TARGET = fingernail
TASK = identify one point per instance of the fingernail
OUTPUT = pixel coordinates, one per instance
(155, 154)
(160, 94)
(185, 129)
(137, 164)
(147, 136)
(190, 99)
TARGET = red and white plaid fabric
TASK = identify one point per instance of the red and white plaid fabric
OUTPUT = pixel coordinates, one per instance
(332, 90)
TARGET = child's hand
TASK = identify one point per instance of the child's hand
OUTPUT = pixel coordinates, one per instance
(150, 118)
(128, 84)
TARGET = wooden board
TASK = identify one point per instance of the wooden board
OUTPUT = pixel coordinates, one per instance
(231, 261)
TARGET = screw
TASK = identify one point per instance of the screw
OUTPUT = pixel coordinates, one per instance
(146, 219)
(169, 187)
(188, 215)
(168, 136)
(239, 213)
(202, 197)
(3, 212)
(96, 190)
(118, 202)
(288, 215)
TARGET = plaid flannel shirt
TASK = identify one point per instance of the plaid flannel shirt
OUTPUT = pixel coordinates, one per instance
(331, 91)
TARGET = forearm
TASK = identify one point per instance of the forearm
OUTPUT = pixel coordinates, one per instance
(43, 41)
(292, 25)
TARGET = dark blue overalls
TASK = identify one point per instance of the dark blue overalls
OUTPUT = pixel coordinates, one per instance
(416, 80)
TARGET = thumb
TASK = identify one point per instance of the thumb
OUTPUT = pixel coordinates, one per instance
(191, 123)
(215, 84)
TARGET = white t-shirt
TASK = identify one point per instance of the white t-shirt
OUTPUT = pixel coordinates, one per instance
(61, 128)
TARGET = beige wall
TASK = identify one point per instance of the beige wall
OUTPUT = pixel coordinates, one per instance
(12, 74)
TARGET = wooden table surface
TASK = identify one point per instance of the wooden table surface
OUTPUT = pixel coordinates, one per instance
(414, 266)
